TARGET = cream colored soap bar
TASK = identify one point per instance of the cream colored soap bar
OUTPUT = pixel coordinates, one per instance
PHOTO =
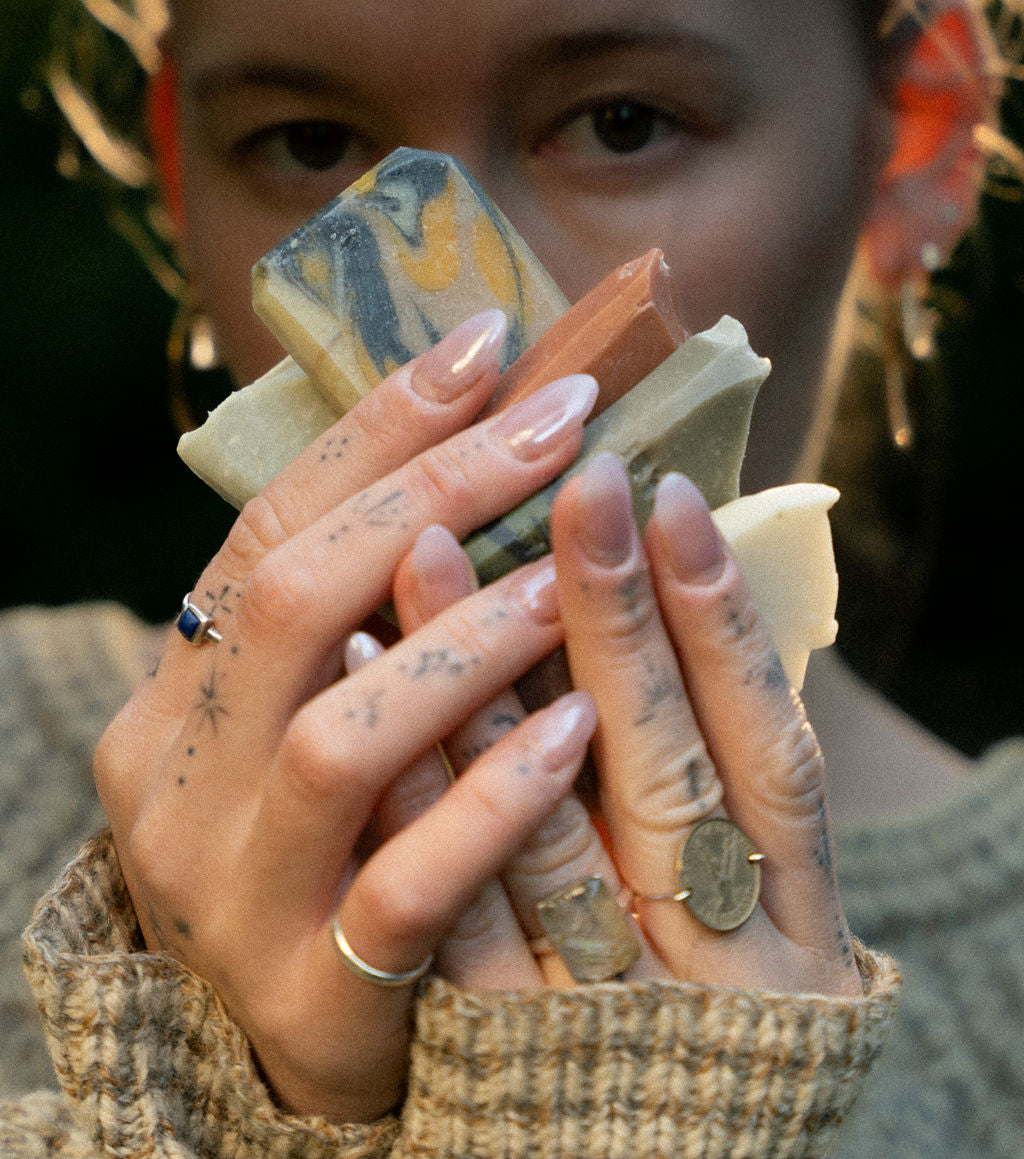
(380, 274)
(255, 432)
(783, 544)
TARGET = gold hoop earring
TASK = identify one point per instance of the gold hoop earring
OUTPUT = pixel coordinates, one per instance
(191, 347)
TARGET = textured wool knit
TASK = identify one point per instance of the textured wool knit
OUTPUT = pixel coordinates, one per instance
(652, 1069)
(943, 889)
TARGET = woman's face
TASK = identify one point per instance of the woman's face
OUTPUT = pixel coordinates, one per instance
(740, 136)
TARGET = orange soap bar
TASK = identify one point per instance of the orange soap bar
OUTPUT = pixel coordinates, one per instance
(619, 332)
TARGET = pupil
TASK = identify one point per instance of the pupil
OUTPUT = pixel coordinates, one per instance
(624, 127)
(317, 144)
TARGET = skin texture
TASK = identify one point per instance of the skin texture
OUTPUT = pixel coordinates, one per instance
(754, 180)
(259, 785)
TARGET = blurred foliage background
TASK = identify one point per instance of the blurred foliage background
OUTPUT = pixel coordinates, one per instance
(95, 504)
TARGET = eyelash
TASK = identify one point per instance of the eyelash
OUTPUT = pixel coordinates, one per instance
(273, 152)
(638, 124)
(643, 129)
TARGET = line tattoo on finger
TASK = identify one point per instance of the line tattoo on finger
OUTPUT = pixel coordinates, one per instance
(223, 602)
(439, 662)
(385, 511)
(208, 705)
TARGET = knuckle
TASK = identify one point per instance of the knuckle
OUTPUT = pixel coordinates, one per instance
(314, 761)
(378, 417)
(441, 479)
(402, 908)
(278, 596)
(127, 748)
(565, 838)
(257, 531)
(633, 611)
(794, 784)
(803, 782)
(678, 790)
(153, 858)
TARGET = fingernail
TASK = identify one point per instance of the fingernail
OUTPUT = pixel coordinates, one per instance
(451, 367)
(562, 731)
(360, 649)
(441, 570)
(604, 522)
(540, 592)
(692, 542)
(534, 427)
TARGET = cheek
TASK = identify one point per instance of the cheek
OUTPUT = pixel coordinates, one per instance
(224, 236)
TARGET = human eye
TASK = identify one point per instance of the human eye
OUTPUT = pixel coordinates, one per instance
(301, 153)
(616, 127)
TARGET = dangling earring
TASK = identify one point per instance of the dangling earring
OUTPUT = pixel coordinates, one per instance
(909, 339)
(191, 346)
(918, 318)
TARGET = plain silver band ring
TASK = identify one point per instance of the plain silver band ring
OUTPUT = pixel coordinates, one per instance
(370, 973)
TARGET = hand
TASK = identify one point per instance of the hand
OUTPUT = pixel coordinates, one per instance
(242, 779)
(696, 719)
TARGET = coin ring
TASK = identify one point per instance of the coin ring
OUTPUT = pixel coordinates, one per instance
(714, 869)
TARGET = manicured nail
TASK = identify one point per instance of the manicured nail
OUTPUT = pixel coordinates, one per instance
(604, 522)
(539, 592)
(442, 572)
(460, 358)
(692, 542)
(562, 730)
(360, 649)
(536, 426)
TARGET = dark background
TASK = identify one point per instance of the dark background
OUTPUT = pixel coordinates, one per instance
(94, 502)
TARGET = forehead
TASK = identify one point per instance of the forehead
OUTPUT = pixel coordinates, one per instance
(471, 37)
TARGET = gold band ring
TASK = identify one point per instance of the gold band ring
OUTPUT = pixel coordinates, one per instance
(370, 973)
(718, 872)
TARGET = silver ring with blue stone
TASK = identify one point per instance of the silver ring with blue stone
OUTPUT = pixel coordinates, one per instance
(195, 625)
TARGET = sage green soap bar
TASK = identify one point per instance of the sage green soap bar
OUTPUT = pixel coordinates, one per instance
(401, 257)
(692, 414)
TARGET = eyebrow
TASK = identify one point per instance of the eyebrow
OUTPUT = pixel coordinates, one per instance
(223, 81)
(577, 47)
(551, 52)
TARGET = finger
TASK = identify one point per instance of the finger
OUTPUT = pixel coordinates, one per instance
(343, 748)
(752, 718)
(434, 575)
(656, 776)
(485, 948)
(412, 890)
(414, 408)
(283, 641)
(310, 592)
(564, 851)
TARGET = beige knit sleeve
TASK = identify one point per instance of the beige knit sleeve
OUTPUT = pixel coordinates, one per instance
(149, 1061)
(640, 1071)
(151, 1064)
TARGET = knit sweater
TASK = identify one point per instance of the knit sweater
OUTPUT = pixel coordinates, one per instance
(150, 1062)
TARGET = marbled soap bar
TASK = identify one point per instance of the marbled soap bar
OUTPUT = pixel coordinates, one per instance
(385, 270)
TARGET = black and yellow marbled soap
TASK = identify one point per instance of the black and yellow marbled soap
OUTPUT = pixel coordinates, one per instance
(391, 265)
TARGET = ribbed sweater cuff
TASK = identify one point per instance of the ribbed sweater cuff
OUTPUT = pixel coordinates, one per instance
(645, 1069)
